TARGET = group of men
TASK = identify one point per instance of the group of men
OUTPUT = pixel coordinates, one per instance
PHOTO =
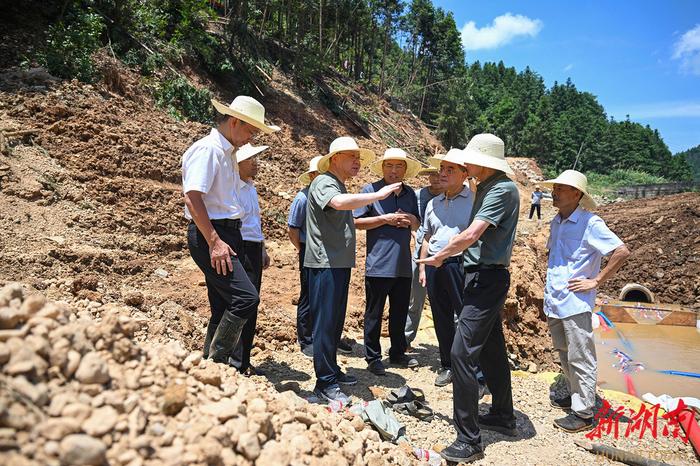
(464, 224)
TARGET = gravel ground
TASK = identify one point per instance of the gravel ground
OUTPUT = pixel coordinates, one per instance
(538, 441)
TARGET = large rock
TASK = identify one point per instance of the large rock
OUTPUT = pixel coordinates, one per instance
(92, 369)
(10, 317)
(56, 429)
(81, 449)
(223, 410)
(101, 421)
(10, 292)
(209, 374)
(33, 304)
(249, 446)
(174, 398)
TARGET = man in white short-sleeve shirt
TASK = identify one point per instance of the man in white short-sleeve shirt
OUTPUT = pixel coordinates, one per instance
(211, 184)
(577, 243)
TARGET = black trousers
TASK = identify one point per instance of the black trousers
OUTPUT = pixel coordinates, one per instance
(445, 287)
(328, 301)
(305, 325)
(233, 292)
(479, 340)
(252, 263)
(377, 289)
(532, 210)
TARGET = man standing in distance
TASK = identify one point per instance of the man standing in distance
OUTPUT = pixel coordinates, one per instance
(447, 215)
(296, 228)
(330, 255)
(210, 181)
(389, 223)
(255, 257)
(535, 202)
(418, 291)
(479, 340)
(578, 241)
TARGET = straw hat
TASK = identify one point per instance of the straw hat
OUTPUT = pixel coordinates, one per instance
(344, 143)
(393, 153)
(453, 155)
(304, 178)
(487, 150)
(434, 161)
(427, 171)
(247, 151)
(577, 180)
(247, 109)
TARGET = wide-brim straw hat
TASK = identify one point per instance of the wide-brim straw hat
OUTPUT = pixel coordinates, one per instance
(305, 177)
(342, 144)
(487, 150)
(428, 171)
(453, 155)
(434, 161)
(413, 166)
(247, 109)
(247, 151)
(577, 180)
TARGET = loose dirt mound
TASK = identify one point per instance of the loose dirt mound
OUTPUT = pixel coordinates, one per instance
(662, 234)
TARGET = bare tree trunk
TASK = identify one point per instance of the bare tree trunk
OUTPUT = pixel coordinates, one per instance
(320, 26)
(425, 88)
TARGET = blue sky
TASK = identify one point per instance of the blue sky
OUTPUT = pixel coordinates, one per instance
(640, 58)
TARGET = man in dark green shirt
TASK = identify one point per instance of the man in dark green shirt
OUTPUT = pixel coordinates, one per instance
(330, 255)
(487, 244)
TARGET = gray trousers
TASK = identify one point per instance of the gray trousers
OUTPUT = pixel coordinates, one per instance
(572, 338)
(415, 306)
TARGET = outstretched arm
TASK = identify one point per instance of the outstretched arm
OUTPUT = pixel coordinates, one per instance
(458, 243)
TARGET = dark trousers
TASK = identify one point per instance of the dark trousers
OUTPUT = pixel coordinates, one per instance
(479, 340)
(534, 207)
(328, 301)
(377, 289)
(252, 263)
(445, 287)
(305, 325)
(233, 292)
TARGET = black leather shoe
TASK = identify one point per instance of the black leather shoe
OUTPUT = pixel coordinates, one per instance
(496, 423)
(376, 367)
(461, 452)
(561, 403)
(404, 361)
(572, 423)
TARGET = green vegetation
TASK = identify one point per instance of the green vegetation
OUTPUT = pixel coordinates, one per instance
(692, 158)
(409, 51)
(606, 184)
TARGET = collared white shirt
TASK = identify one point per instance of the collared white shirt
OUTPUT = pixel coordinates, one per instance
(209, 166)
(576, 247)
(251, 230)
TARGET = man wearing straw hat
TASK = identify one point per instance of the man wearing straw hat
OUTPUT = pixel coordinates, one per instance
(447, 215)
(330, 255)
(487, 244)
(418, 291)
(389, 222)
(254, 256)
(577, 243)
(296, 228)
(210, 182)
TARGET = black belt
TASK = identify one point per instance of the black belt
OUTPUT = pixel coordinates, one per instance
(233, 223)
(477, 267)
(452, 259)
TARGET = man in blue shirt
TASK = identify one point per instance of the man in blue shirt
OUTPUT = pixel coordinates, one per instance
(577, 243)
(446, 216)
(296, 228)
(388, 270)
(535, 203)
(418, 291)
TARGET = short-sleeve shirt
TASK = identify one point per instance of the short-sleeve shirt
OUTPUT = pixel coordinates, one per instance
(424, 196)
(447, 217)
(330, 233)
(497, 202)
(576, 246)
(536, 197)
(209, 167)
(388, 247)
(251, 228)
(297, 213)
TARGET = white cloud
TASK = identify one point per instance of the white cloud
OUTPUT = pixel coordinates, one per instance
(503, 30)
(569, 67)
(687, 49)
(676, 109)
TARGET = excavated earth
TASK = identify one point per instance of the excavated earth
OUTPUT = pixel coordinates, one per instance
(99, 351)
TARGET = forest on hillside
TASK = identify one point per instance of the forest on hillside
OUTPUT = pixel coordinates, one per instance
(409, 52)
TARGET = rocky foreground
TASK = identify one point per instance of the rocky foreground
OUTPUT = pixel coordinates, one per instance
(82, 385)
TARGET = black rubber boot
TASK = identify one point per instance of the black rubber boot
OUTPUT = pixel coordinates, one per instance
(226, 337)
(211, 329)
